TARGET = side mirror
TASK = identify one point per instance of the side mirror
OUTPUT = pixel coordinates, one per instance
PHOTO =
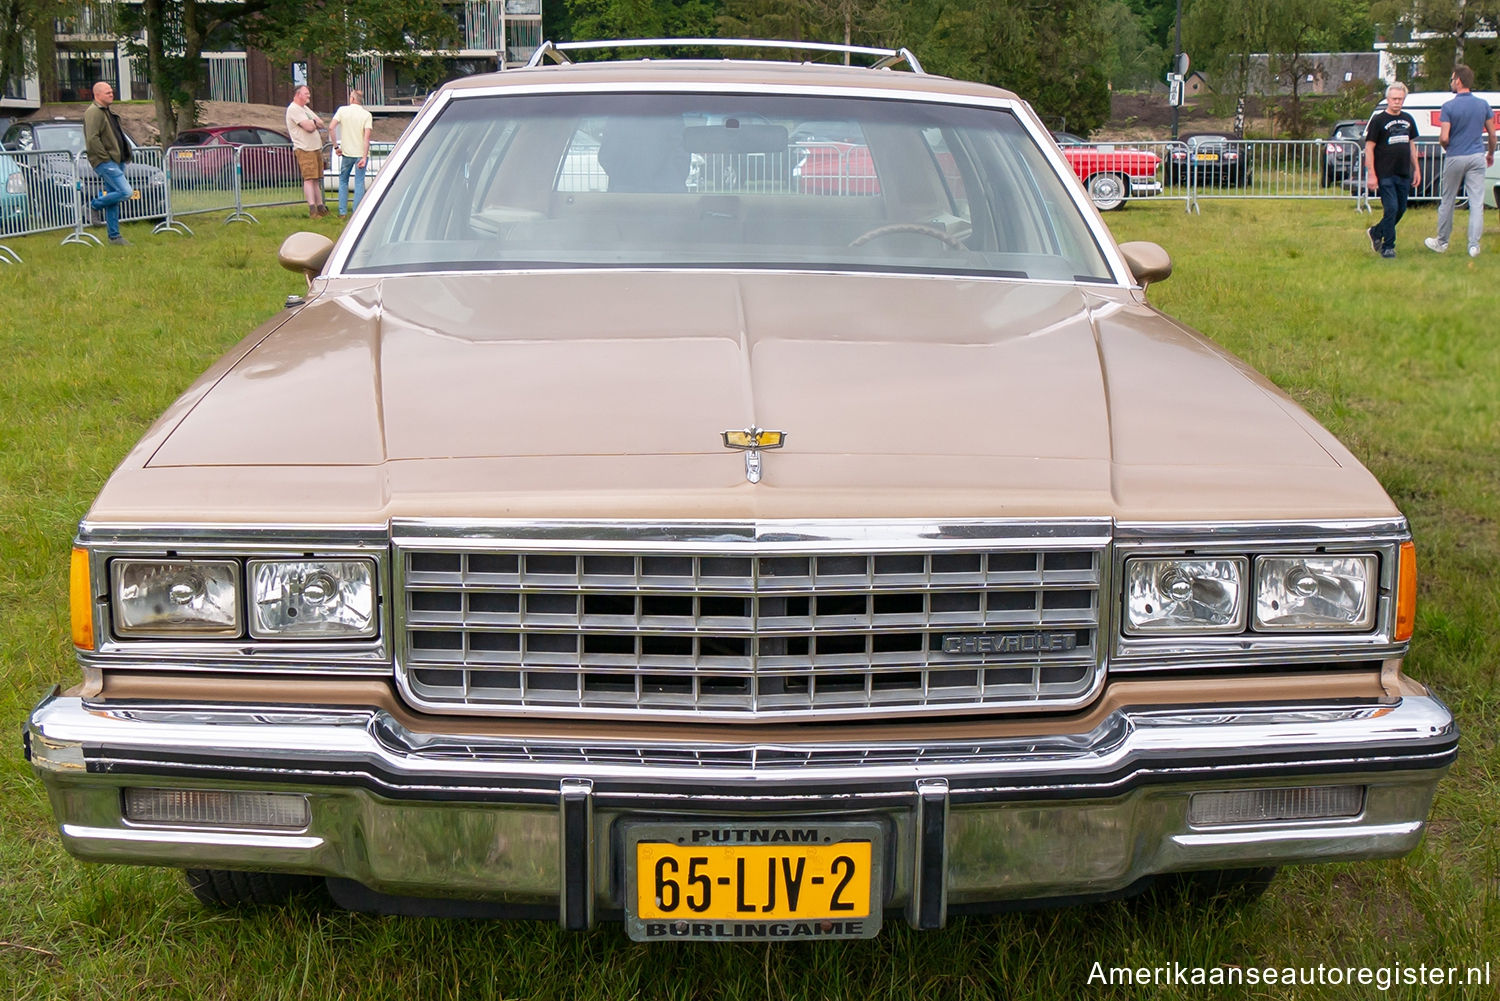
(305, 253)
(1148, 262)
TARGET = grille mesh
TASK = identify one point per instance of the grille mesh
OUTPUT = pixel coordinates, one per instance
(748, 635)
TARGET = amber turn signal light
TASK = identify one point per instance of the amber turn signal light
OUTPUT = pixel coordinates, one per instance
(1406, 592)
(81, 600)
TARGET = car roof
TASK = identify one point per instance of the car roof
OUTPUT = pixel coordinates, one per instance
(715, 74)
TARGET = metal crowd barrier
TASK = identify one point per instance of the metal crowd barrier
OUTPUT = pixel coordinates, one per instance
(265, 176)
(1271, 168)
(48, 196)
(199, 179)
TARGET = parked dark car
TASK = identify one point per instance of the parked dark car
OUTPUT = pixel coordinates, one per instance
(1343, 158)
(51, 181)
(207, 154)
(1213, 161)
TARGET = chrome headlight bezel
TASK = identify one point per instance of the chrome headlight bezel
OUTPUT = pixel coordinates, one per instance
(1375, 540)
(106, 544)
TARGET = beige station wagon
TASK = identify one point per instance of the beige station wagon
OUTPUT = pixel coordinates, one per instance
(739, 499)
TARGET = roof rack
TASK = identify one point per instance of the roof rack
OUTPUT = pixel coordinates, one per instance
(886, 58)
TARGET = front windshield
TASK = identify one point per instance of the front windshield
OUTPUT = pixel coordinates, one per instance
(714, 180)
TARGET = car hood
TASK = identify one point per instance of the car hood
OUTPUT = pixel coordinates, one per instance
(581, 395)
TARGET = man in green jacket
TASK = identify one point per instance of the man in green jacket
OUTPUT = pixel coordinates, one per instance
(108, 152)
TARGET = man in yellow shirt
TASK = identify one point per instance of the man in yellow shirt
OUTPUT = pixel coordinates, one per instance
(350, 128)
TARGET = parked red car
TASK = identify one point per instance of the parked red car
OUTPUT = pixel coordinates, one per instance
(207, 155)
(1112, 174)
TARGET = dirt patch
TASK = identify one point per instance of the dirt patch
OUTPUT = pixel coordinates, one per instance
(139, 117)
(1142, 117)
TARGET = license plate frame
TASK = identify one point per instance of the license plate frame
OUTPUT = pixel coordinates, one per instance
(777, 841)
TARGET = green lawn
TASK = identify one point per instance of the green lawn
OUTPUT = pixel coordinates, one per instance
(1400, 358)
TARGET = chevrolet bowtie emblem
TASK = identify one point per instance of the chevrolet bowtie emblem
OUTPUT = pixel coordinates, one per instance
(751, 441)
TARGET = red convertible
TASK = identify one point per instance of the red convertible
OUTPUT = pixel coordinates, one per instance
(1112, 174)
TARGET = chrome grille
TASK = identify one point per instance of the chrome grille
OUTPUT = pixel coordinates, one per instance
(747, 634)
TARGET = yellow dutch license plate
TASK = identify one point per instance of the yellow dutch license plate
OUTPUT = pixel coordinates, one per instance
(135, 195)
(1208, 156)
(755, 881)
(184, 154)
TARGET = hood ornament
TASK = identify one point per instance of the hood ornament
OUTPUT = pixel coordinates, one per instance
(751, 441)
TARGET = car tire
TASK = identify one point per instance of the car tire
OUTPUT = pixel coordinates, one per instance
(1328, 177)
(229, 888)
(1108, 191)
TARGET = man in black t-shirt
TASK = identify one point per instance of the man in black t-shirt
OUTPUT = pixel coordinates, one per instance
(1391, 166)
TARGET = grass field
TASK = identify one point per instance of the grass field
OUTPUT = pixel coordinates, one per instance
(1400, 358)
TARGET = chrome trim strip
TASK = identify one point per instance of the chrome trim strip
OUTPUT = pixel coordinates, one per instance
(300, 747)
(763, 535)
(1195, 532)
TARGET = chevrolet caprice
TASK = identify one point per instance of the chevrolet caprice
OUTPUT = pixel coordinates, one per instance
(683, 546)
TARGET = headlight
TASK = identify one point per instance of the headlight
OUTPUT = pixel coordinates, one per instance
(15, 184)
(176, 597)
(1315, 592)
(314, 599)
(1184, 595)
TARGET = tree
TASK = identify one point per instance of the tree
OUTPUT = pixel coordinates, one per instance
(1225, 37)
(26, 40)
(643, 18)
(1452, 26)
(176, 31)
(1053, 54)
(1136, 57)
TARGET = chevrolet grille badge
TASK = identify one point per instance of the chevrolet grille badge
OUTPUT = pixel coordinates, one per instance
(751, 441)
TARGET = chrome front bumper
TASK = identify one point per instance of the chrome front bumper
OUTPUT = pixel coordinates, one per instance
(533, 824)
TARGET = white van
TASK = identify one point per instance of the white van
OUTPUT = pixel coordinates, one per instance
(1425, 106)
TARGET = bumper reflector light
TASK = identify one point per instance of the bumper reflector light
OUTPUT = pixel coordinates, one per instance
(215, 808)
(1255, 806)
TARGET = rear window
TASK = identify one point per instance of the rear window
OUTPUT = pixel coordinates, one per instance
(744, 181)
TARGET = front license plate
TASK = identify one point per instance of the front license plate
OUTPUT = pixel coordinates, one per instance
(735, 881)
(184, 154)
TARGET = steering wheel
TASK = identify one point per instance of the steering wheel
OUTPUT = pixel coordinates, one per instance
(909, 227)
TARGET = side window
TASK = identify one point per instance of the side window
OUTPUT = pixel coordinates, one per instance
(271, 138)
(246, 137)
(17, 137)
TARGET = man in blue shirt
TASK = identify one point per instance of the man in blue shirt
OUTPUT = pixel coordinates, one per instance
(1462, 120)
